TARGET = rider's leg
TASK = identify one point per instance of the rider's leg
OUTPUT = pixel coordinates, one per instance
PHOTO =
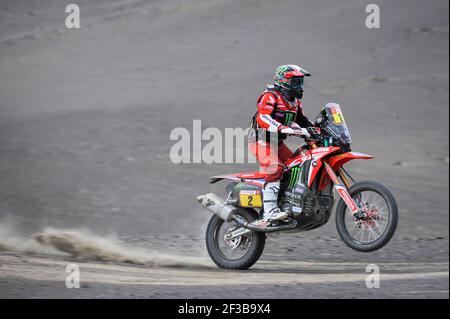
(272, 186)
(284, 153)
(271, 164)
(270, 201)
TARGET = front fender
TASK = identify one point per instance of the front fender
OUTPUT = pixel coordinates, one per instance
(337, 161)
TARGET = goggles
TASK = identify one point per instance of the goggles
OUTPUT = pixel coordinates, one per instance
(296, 82)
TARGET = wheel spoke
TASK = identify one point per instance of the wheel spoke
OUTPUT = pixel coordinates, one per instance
(375, 225)
(228, 248)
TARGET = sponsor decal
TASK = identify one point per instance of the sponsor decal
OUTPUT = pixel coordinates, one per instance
(336, 112)
(248, 175)
(296, 209)
(238, 186)
(347, 199)
(360, 154)
(249, 192)
(303, 157)
(295, 174)
(321, 150)
(289, 118)
(209, 202)
(338, 118)
(270, 120)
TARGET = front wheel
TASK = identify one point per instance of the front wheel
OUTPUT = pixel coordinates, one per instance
(237, 253)
(375, 230)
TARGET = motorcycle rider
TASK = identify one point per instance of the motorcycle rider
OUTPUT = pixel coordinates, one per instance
(279, 114)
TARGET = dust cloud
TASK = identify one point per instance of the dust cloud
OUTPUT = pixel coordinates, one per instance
(83, 244)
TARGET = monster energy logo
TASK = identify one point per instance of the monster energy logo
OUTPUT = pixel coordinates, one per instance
(289, 118)
(282, 69)
(295, 174)
(238, 187)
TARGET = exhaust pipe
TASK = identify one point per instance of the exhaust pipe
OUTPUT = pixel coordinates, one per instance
(218, 207)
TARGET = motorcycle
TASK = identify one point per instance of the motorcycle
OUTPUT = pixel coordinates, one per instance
(366, 214)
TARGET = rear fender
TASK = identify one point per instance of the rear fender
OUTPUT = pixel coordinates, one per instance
(254, 178)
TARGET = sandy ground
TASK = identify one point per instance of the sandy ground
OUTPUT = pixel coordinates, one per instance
(44, 277)
(85, 119)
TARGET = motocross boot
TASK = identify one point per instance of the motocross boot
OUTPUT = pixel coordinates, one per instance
(271, 210)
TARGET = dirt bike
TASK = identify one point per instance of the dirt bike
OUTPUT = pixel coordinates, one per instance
(366, 214)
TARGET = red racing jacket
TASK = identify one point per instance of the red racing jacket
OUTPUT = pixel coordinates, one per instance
(275, 112)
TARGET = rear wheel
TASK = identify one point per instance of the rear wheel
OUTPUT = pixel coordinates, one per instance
(374, 231)
(238, 253)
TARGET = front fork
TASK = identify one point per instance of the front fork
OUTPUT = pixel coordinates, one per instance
(342, 190)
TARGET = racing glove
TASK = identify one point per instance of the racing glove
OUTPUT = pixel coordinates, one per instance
(295, 131)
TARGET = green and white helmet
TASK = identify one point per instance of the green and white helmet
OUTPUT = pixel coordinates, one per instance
(289, 80)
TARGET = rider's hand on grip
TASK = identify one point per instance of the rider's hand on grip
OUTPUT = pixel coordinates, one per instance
(295, 131)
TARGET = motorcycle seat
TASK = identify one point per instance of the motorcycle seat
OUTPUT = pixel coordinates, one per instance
(255, 178)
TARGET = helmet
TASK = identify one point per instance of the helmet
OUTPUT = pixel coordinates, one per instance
(289, 80)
